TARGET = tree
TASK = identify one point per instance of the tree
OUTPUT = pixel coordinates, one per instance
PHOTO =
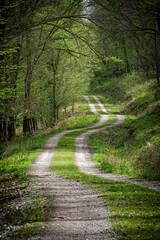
(130, 24)
(23, 22)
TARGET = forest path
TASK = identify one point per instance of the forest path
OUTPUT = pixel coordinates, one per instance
(76, 212)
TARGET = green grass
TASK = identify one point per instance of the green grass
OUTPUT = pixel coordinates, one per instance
(29, 217)
(15, 183)
(66, 146)
(82, 117)
(98, 108)
(134, 210)
(15, 162)
(133, 149)
(130, 94)
(84, 122)
(113, 108)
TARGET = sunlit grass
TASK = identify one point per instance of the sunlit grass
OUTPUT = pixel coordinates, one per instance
(113, 108)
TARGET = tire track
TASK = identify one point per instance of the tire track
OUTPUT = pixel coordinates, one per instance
(76, 212)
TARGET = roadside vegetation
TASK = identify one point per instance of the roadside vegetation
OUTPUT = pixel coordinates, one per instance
(22, 209)
(132, 149)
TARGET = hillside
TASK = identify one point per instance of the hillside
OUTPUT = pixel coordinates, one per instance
(134, 148)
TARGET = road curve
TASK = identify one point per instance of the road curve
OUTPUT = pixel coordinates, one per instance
(84, 155)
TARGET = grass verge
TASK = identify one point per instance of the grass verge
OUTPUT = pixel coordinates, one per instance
(22, 210)
(134, 210)
(82, 117)
(132, 149)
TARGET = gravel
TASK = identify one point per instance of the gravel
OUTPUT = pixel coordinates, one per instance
(76, 212)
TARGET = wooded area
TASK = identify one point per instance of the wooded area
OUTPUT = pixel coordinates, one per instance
(50, 50)
(80, 119)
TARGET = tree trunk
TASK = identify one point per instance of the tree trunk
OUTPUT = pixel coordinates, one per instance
(157, 61)
(27, 126)
(1, 132)
(57, 116)
(54, 101)
(73, 106)
(34, 124)
(125, 54)
(13, 77)
(54, 65)
(5, 130)
(11, 128)
(117, 65)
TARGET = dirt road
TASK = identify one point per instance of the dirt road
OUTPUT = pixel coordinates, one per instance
(76, 211)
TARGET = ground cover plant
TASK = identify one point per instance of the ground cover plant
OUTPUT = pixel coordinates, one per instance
(22, 209)
(51, 55)
(134, 210)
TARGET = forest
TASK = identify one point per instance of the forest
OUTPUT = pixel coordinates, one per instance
(52, 54)
(57, 48)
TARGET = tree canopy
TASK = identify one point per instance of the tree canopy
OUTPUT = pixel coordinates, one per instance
(51, 49)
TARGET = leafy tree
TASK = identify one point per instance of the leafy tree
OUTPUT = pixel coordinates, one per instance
(22, 24)
(130, 25)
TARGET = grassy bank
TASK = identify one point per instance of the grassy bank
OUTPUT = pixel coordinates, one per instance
(23, 211)
(133, 149)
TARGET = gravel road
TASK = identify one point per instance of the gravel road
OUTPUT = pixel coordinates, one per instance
(76, 212)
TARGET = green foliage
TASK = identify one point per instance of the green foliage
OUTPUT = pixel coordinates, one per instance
(133, 92)
(29, 217)
(32, 211)
(133, 148)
